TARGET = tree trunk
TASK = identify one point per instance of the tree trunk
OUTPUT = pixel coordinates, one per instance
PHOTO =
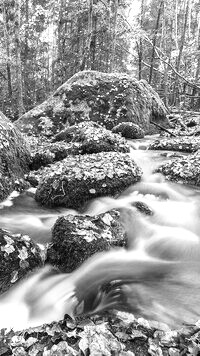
(26, 50)
(197, 74)
(93, 40)
(176, 83)
(60, 29)
(7, 43)
(86, 61)
(114, 26)
(140, 46)
(154, 40)
(18, 59)
(176, 25)
(108, 35)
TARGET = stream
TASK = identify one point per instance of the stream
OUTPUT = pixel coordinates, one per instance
(161, 263)
(20, 213)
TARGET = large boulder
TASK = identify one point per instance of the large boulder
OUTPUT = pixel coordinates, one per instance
(14, 156)
(77, 179)
(18, 256)
(106, 98)
(76, 238)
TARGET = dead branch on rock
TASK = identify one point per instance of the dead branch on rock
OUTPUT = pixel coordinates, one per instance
(163, 128)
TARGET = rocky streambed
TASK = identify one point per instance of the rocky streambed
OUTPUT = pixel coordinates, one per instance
(70, 156)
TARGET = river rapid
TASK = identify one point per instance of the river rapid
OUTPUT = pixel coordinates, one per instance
(20, 213)
(159, 272)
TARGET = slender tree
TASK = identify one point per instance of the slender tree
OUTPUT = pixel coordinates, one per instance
(140, 45)
(8, 59)
(155, 40)
(86, 61)
(20, 102)
(113, 36)
(180, 52)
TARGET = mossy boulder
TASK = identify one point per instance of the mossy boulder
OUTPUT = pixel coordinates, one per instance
(86, 137)
(106, 98)
(50, 152)
(77, 179)
(185, 169)
(92, 138)
(182, 144)
(76, 238)
(18, 256)
(14, 156)
(129, 130)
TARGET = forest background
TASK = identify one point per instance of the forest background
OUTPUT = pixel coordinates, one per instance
(45, 42)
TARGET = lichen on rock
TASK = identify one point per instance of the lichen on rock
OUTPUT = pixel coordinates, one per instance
(105, 98)
(77, 179)
(76, 238)
(129, 130)
(18, 255)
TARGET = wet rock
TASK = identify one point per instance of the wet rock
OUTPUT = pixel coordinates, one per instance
(183, 170)
(77, 179)
(106, 98)
(110, 334)
(129, 130)
(92, 138)
(51, 152)
(14, 157)
(18, 256)
(142, 207)
(86, 137)
(34, 177)
(183, 144)
(75, 238)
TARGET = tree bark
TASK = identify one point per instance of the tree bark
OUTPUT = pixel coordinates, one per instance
(86, 61)
(154, 40)
(7, 43)
(26, 50)
(197, 74)
(93, 39)
(140, 46)
(176, 83)
(114, 26)
(18, 59)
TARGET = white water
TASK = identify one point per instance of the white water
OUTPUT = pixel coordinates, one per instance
(163, 256)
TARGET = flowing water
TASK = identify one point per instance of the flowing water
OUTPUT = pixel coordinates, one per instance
(158, 275)
(22, 214)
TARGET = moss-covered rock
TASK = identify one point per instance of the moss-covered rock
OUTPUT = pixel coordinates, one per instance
(50, 152)
(75, 238)
(185, 169)
(86, 137)
(183, 144)
(18, 256)
(14, 156)
(106, 98)
(77, 179)
(129, 130)
(92, 138)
